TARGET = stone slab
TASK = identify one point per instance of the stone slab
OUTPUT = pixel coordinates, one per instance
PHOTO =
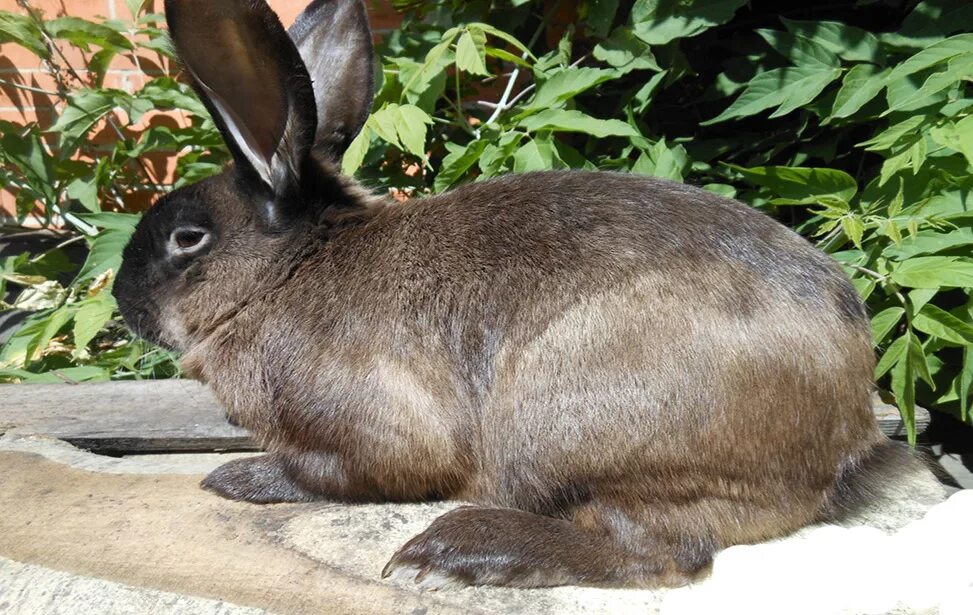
(138, 532)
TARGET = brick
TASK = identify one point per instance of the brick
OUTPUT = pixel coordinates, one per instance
(86, 9)
(21, 66)
(12, 96)
(140, 200)
(287, 10)
(7, 205)
(43, 116)
(382, 16)
(12, 55)
(162, 166)
(148, 62)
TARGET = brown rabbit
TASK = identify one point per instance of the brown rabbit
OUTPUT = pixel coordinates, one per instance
(624, 374)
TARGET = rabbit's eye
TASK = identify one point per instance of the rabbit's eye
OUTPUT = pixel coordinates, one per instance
(188, 239)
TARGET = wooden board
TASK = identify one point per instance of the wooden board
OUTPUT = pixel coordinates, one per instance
(162, 416)
(123, 417)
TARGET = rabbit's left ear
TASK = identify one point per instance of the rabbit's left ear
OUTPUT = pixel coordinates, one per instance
(251, 77)
(335, 42)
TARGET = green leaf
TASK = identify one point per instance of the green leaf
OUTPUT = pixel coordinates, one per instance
(853, 228)
(506, 56)
(357, 149)
(22, 30)
(919, 297)
(428, 83)
(662, 161)
(457, 162)
(891, 136)
(485, 27)
(644, 96)
(929, 242)
(383, 122)
(411, 128)
(659, 21)
(567, 84)
(966, 383)
(847, 42)
(801, 185)
(940, 323)
(51, 326)
(785, 88)
(81, 373)
(933, 55)
(626, 52)
(83, 33)
(958, 68)
(538, 154)
(471, 52)
(436, 61)
(861, 84)
(575, 121)
(724, 190)
(931, 20)
(934, 272)
(112, 220)
(957, 136)
(26, 152)
(799, 50)
(105, 253)
(91, 317)
(892, 355)
(884, 322)
(84, 109)
(495, 155)
(166, 93)
(917, 357)
(904, 389)
(601, 14)
(85, 190)
(135, 7)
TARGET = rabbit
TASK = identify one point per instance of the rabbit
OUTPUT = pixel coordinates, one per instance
(620, 375)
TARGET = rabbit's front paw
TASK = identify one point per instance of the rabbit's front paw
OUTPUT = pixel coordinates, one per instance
(261, 480)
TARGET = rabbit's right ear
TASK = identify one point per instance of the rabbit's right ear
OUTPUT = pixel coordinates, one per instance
(335, 42)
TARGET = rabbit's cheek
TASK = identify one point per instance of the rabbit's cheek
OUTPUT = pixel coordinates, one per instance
(172, 328)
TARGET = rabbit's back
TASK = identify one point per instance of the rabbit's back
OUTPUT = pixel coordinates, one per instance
(521, 242)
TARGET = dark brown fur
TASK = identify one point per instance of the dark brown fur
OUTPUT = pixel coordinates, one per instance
(624, 374)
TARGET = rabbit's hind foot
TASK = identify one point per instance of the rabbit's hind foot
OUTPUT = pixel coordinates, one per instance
(495, 546)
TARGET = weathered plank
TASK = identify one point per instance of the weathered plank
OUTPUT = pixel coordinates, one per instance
(123, 417)
(175, 416)
(890, 421)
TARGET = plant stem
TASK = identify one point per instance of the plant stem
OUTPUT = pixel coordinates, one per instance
(884, 279)
(63, 244)
(28, 88)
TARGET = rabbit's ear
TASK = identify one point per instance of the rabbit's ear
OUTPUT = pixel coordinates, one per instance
(335, 42)
(251, 77)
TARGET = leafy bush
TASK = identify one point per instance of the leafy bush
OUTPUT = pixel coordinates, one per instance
(860, 138)
(63, 180)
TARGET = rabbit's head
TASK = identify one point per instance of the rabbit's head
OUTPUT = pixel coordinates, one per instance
(287, 103)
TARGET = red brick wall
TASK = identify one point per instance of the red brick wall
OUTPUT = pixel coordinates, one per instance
(20, 66)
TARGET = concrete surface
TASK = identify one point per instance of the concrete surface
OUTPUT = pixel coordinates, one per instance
(81, 532)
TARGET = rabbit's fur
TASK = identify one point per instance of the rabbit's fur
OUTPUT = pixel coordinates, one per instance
(624, 374)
